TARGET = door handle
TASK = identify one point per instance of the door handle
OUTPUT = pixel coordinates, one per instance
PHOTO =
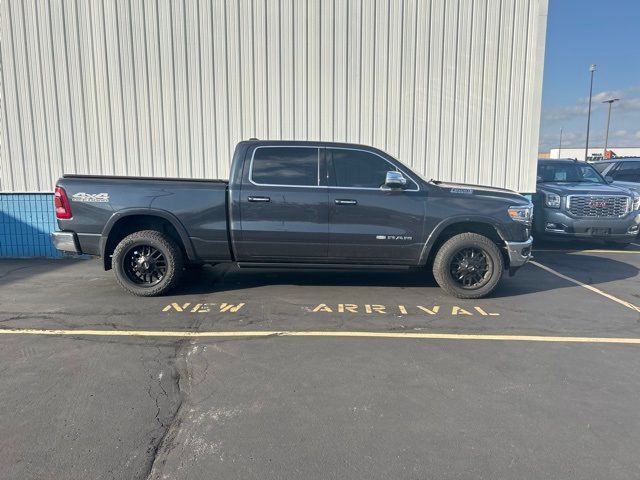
(259, 199)
(343, 201)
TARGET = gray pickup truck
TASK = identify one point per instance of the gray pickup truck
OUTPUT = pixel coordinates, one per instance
(297, 205)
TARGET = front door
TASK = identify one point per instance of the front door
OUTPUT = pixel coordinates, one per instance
(368, 224)
(284, 206)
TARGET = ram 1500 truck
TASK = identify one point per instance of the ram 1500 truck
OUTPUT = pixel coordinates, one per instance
(296, 204)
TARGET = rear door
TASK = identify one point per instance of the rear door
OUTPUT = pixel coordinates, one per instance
(284, 205)
(368, 224)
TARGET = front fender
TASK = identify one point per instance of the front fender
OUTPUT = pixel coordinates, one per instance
(447, 222)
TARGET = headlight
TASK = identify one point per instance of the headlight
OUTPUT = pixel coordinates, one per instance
(521, 214)
(552, 200)
(635, 202)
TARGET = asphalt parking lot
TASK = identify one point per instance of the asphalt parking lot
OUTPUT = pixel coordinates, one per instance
(306, 374)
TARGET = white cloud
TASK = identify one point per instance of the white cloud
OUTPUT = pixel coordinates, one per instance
(625, 118)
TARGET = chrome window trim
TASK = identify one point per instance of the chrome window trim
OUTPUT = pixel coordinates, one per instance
(379, 189)
(284, 184)
(408, 177)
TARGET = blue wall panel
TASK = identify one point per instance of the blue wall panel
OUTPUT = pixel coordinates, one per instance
(26, 220)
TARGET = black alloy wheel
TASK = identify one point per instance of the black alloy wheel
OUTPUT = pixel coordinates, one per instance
(470, 267)
(145, 265)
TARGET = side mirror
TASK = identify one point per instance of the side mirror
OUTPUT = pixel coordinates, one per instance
(395, 179)
(609, 179)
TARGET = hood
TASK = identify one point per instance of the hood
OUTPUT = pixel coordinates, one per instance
(583, 189)
(635, 186)
(482, 190)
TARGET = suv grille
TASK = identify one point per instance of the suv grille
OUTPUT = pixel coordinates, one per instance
(611, 206)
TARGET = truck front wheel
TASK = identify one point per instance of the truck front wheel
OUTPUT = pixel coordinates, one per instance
(147, 263)
(468, 265)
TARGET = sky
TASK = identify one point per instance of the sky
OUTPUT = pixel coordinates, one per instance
(579, 33)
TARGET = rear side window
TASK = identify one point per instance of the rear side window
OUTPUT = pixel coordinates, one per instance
(285, 166)
(358, 169)
(628, 172)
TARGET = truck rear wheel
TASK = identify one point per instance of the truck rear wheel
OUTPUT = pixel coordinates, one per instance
(147, 263)
(468, 265)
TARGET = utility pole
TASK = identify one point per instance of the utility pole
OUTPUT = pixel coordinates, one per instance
(606, 135)
(560, 146)
(592, 69)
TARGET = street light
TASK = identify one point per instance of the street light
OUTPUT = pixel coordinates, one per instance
(606, 136)
(560, 146)
(592, 69)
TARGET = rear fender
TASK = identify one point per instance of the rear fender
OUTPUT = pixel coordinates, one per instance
(128, 212)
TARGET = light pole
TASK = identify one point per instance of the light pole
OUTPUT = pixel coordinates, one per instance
(560, 146)
(606, 135)
(592, 69)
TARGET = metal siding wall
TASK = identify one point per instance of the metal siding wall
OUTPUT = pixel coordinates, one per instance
(158, 87)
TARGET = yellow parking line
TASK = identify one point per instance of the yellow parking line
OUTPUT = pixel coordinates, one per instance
(586, 251)
(336, 334)
(588, 287)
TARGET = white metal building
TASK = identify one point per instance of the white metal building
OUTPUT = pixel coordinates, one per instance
(452, 88)
(595, 153)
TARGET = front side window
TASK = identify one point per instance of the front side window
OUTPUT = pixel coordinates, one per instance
(358, 169)
(601, 166)
(568, 173)
(296, 166)
(628, 172)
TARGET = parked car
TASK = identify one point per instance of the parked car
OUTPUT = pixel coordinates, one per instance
(300, 205)
(621, 171)
(573, 200)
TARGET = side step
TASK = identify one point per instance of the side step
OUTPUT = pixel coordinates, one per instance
(320, 266)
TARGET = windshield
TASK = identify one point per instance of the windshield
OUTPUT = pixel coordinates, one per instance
(568, 173)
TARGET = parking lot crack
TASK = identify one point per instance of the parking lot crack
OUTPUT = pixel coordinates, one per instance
(161, 446)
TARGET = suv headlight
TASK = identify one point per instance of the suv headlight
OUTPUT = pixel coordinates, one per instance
(521, 213)
(635, 202)
(552, 200)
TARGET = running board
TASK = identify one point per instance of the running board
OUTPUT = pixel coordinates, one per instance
(320, 266)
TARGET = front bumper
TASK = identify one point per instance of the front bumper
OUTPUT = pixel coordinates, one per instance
(556, 223)
(519, 253)
(65, 242)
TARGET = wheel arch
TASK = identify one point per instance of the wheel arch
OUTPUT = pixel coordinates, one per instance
(448, 228)
(128, 221)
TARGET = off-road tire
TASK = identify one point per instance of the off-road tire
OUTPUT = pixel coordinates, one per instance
(444, 257)
(160, 241)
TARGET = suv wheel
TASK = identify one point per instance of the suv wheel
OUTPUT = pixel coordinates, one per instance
(147, 263)
(468, 265)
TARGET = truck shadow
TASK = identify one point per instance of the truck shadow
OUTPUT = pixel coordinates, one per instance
(223, 278)
(589, 269)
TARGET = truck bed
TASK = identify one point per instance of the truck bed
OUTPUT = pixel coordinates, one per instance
(156, 179)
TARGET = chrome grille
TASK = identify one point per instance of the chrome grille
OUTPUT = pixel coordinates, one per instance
(599, 206)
